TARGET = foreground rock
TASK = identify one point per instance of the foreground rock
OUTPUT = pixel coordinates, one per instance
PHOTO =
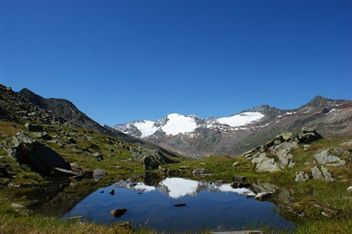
(325, 157)
(276, 154)
(37, 156)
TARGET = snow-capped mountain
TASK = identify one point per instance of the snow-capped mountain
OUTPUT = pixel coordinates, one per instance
(192, 136)
(175, 124)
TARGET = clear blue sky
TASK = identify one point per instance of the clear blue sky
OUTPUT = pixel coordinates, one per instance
(120, 60)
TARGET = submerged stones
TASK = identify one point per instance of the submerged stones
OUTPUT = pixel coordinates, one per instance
(180, 205)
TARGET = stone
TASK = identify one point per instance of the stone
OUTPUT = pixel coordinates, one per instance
(308, 135)
(17, 206)
(301, 177)
(349, 189)
(316, 173)
(75, 167)
(98, 173)
(306, 147)
(327, 174)
(199, 171)
(240, 182)
(33, 127)
(98, 156)
(180, 205)
(64, 172)
(71, 140)
(265, 164)
(282, 152)
(37, 156)
(118, 212)
(263, 195)
(324, 157)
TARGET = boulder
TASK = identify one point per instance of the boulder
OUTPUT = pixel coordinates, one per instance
(316, 173)
(98, 173)
(324, 157)
(37, 156)
(33, 127)
(282, 152)
(263, 195)
(308, 135)
(240, 182)
(264, 163)
(327, 174)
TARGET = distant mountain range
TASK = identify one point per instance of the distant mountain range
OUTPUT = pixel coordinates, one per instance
(192, 136)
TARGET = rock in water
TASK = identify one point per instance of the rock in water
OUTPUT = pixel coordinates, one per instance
(180, 205)
(37, 156)
(118, 212)
(264, 195)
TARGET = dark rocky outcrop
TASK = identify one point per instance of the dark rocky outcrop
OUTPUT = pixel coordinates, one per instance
(37, 156)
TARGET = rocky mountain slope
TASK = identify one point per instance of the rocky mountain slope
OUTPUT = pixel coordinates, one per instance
(36, 140)
(62, 108)
(69, 112)
(232, 135)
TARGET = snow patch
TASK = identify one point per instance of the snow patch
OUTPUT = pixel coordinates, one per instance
(177, 124)
(146, 127)
(241, 119)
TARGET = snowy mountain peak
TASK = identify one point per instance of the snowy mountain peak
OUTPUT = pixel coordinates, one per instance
(240, 119)
(174, 124)
(146, 127)
(177, 124)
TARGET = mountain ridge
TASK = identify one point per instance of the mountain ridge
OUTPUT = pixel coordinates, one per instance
(236, 133)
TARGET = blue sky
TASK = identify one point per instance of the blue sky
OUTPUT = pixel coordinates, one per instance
(120, 60)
